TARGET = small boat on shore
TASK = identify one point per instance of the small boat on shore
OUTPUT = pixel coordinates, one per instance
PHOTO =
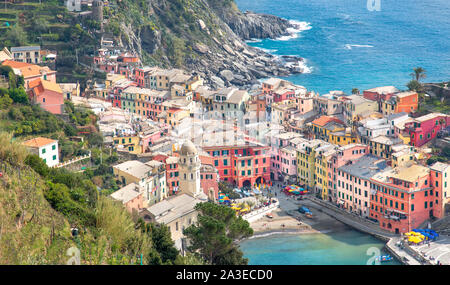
(384, 258)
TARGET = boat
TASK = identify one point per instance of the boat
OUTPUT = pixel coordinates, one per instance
(384, 258)
(269, 215)
(309, 215)
(304, 210)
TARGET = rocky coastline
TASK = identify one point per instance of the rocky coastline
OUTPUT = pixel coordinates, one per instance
(242, 65)
(215, 36)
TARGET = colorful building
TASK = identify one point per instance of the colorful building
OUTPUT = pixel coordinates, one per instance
(353, 183)
(400, 102)
(47, 94)
(343, 155)
(440, 179)
(425, 128)
(241, 163)
(403, 198)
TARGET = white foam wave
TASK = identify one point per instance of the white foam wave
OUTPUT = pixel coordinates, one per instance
(306, 69)
(254, 41)
(350, 46)
(296, 30)
(268, 50)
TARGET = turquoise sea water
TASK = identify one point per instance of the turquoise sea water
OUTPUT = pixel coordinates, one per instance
(341, 248)
(347, 46)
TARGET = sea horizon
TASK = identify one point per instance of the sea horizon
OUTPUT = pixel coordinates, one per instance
(346, 46)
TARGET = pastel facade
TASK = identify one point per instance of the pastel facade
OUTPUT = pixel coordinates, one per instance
(403, 198)
(353, 183)
(28, 54)
(47, 94)
(240, 164)
(31, 72)
(131, 197)
(440, 180)
(356, 106)
(343, 155)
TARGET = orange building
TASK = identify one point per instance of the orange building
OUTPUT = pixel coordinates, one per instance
(401, 102)
(31, 72)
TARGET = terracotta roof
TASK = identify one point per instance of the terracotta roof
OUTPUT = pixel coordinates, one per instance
(39, 85)
(322, 121)
(27, 69)
(38, 142)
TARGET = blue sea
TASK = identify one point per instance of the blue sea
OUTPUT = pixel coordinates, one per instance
(340, 248)
(346, 45)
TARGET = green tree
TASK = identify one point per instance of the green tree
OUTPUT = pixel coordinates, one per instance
(18, 95)
(37, 163)
(16, 36)
(414, 85)
(355, 91)
(5, 102)
(418, 73)
(214, 236)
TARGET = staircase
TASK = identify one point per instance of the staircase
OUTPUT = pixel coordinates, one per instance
(442, 226)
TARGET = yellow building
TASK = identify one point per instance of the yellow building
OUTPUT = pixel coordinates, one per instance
(402, 155)
(130, 143)
(381, 146)
(323, 155)
(343, 137)
(325, 125)
(306, 163)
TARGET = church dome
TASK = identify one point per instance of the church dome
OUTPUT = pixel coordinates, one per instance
(188, 148)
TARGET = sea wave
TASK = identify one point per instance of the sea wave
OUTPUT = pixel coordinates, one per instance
(306, 69)
(254, 41)
(350, 46)
(268, 50)
(294, 32)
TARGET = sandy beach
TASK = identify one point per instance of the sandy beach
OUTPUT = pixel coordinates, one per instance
(287, 219)
(280, 222)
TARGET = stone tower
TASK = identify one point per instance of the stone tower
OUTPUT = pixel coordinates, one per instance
(97, 11)
(189, 168)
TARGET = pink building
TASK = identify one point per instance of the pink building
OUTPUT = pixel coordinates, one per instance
(131, 197)
(353, 183)
(288, 163)
(403, 198)
(425, 128)
(305, 103)
(209, 181)
(47, 94)
(344, 155)
(149, 137)
(283, 157)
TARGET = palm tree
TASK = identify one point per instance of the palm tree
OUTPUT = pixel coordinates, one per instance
(355, 91)
(418, 73)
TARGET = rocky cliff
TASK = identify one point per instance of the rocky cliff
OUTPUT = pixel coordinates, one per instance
(248, 25)
(205, 36)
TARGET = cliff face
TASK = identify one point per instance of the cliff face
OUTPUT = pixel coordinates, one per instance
(249, 25)
(205, 36)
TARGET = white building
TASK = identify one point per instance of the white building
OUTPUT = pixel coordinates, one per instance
(73, 5)
(45, 148)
